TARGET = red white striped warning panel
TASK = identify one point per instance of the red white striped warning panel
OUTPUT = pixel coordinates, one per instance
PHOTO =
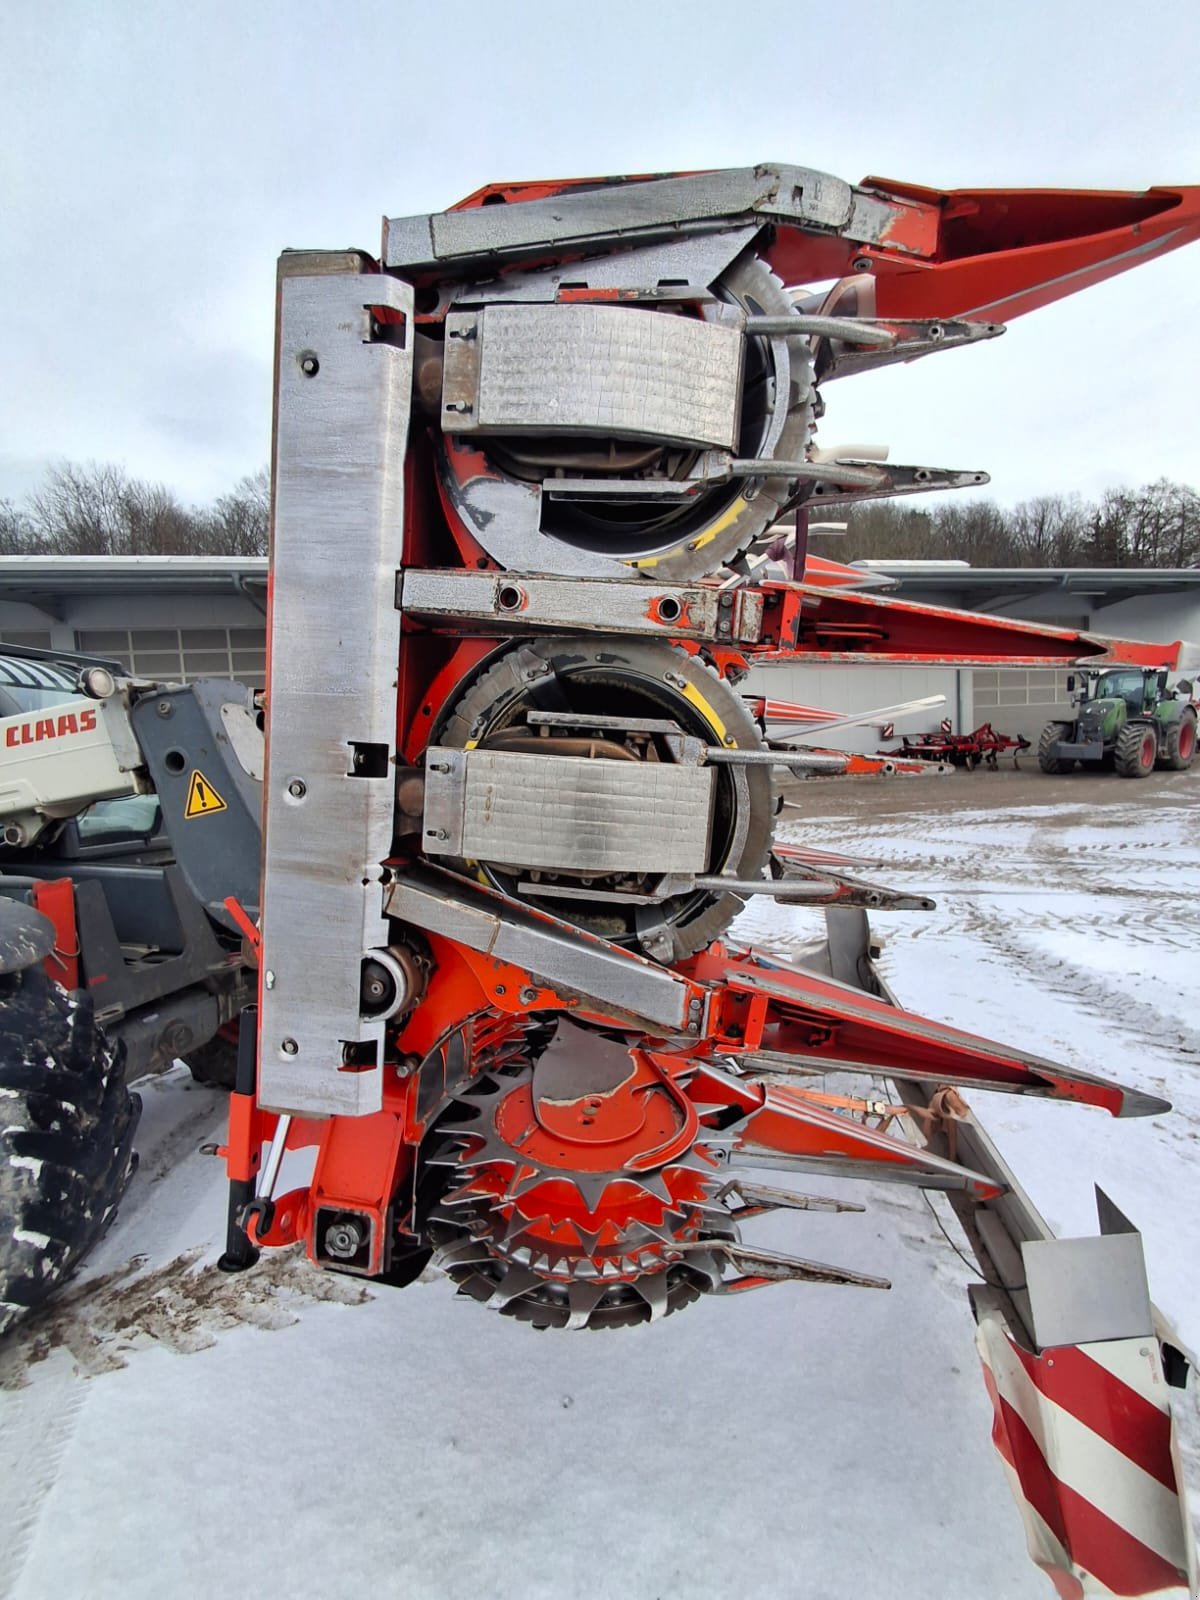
(1087, 1439)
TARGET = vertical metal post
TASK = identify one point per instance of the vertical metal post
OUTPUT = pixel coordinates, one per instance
(239, 1252)
(343, 398)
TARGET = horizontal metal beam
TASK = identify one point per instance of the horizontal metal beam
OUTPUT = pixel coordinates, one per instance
(506, 602)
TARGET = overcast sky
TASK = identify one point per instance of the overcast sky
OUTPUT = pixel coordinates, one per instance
(156, 156)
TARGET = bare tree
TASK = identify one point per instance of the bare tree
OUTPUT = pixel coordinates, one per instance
(238, 523)
(77, 511)
(1048, 531)
(154, 522)
(1157, 525)
(17, 536)
(99, 510)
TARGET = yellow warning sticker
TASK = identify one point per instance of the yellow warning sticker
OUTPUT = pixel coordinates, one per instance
(202, 798)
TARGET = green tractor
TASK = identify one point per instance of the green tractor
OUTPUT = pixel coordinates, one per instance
(1126, 716)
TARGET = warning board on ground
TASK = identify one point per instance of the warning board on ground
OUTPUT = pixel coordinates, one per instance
(202, 798)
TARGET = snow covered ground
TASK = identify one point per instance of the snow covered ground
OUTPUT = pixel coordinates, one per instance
(166, 1430)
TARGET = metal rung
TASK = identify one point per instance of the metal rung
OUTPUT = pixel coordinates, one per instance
(814, 471)
(765, 1197)
(850, 330)
(817, 891)
(929, 1172)
(590, 719)
(718, 755)
(772, 1266)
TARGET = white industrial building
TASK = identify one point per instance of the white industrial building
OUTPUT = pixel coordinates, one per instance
(1159, 604)
(167, 617)
(174, 617)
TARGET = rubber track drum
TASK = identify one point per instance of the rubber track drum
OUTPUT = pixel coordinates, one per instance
(752, 285)
(67, 1122)
(681, 541)
(667, 682)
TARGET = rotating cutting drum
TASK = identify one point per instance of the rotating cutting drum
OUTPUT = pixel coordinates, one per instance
(600, 781)
(607, 439)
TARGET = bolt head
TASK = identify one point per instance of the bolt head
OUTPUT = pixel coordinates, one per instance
(343, 1239)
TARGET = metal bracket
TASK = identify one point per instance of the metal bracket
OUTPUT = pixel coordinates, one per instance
(651, 210)
(573, 962)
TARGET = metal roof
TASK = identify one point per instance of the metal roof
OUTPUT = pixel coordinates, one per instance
(1037, 577)
(983, 585)
(22, 577)
(26, 576)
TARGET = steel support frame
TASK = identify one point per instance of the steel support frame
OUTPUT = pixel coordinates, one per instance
(344, 388)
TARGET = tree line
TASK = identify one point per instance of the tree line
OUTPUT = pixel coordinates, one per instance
(1157, 525)
(99, 510)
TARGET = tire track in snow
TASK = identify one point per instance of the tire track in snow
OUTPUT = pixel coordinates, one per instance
(94, 1326)
(33, 1442)
(1099, 994)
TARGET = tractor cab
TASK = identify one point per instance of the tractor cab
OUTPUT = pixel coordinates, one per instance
(1139, 689)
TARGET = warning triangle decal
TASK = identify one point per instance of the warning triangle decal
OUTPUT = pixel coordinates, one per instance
(202, 798)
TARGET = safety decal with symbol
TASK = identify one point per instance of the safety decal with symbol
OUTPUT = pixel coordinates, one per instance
(202, 799)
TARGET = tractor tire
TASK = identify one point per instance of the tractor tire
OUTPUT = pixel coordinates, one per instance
(214, 1064)
(1136, 750)
(66, 1137)
(1181, 742)
(1047, 760)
